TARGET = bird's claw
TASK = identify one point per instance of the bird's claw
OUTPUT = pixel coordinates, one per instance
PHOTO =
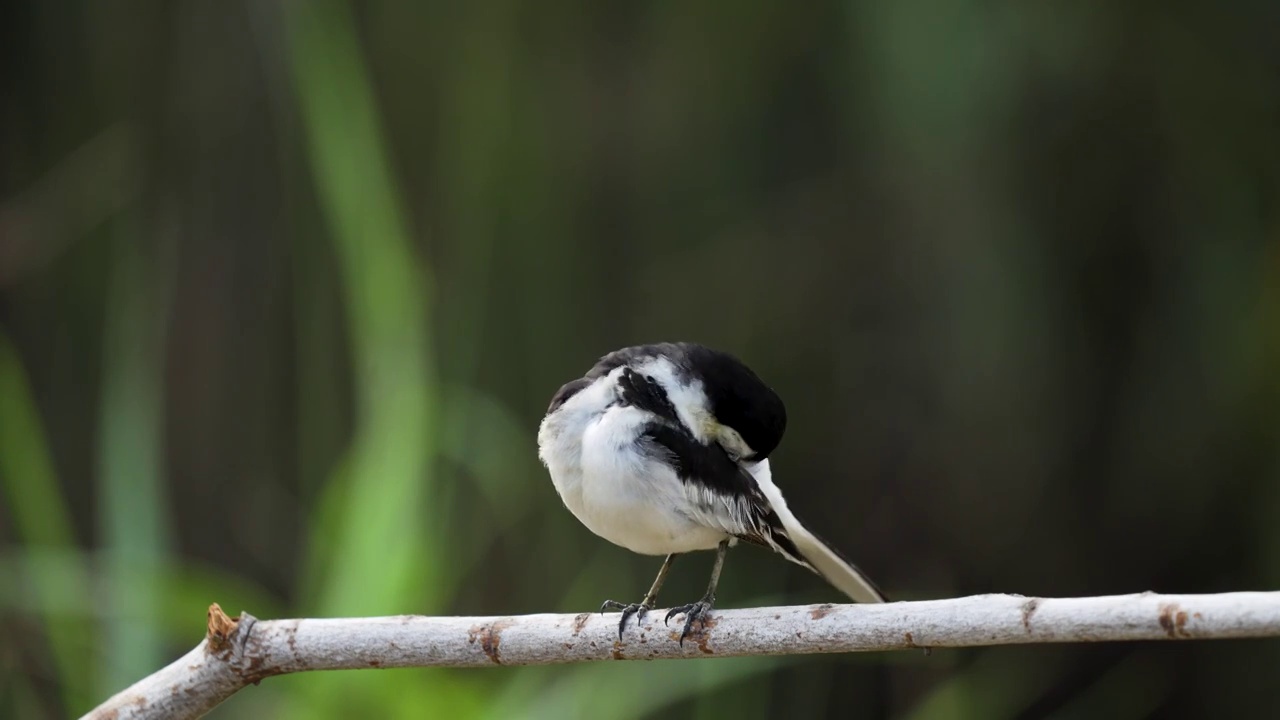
(638, 609)
(696, 611)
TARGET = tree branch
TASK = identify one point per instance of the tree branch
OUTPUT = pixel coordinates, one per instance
(237, 652)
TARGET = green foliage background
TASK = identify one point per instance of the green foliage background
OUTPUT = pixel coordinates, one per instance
(285, 287)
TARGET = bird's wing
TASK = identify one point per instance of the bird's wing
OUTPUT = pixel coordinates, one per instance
(721, 492)
(747, 505)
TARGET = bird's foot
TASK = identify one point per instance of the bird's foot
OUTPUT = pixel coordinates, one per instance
(639, 609)
(696, 611)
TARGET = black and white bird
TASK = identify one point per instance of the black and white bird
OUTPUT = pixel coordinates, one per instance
(664, 449)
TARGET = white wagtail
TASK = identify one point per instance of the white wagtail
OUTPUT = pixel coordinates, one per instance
(663, 450)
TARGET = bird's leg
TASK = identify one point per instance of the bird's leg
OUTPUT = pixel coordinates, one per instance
(698, 610)
(644, 606)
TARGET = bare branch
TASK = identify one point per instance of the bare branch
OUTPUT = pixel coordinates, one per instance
(237, 652)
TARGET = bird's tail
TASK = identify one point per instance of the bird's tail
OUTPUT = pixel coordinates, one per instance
(827, 562)
(816, 554)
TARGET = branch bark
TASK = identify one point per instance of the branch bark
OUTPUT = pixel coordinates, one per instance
(242, 651)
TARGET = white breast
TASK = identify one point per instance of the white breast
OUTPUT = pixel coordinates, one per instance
(611, 487)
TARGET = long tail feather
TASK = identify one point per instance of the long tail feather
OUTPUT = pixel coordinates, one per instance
(816, 554)
(827, 562)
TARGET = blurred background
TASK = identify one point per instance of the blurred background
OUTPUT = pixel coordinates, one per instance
(285, 288)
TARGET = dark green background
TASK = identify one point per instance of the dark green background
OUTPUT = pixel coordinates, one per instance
(286, 286)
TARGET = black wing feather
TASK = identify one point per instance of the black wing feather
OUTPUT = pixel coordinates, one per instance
(645, 393)
(728, 489)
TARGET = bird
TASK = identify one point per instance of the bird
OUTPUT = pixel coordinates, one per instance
(663, 449)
